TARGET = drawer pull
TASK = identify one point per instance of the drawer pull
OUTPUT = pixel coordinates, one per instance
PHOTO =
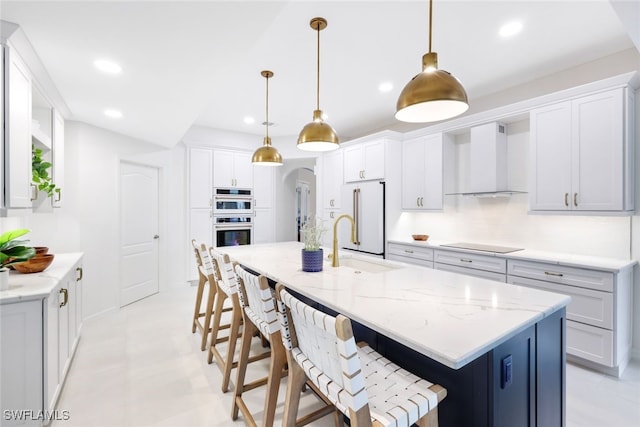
(65, 294)
(465, 260)
(549, 273)
(408, 251)
(566, 199)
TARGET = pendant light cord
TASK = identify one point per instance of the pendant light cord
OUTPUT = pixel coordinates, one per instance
(430, 22)
(318, 68)
(267, 106)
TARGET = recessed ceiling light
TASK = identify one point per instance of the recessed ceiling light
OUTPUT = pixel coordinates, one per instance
(385, 87)
(114, 114)
(510, 29)
(107, 66)
(249, 120)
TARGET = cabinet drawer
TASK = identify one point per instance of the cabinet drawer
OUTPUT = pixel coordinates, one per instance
(478, 262)
(590, 343)
(425, 254)
(587, 306)
(415, 261)
(584, 278)
(471, 272)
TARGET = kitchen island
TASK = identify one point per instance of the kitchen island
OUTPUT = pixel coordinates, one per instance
(498, 349)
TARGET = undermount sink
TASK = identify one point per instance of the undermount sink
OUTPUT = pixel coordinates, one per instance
(361, 265)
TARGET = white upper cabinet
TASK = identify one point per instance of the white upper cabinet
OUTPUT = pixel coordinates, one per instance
(364, 161)
(422, 172)
(332, 179)
(264, 187)
(200, 178)
(17, 131)
(58, 158)
(232, 169)
(581, 156)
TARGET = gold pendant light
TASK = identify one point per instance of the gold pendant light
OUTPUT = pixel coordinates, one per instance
(267, 155)
(318, 135)
(433, 94)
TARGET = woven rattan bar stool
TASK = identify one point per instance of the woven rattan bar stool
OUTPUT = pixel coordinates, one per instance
(227, 283)
(260, 315)
(202, 319)
(362, 384)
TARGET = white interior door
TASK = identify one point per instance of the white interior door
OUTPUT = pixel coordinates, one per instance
(139, 232)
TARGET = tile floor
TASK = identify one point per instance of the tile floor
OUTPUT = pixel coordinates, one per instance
(141, 366)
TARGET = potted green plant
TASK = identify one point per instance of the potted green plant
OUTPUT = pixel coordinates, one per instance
(40, 172)
(12, 251)
(312, 254)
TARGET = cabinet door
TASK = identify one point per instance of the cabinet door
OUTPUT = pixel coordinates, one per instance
(63, 331)
(597, 159)
(21, 358)
(78, 302)
(223, 169)
(264, 226)
(373, 153)
(353, 164)
(17, 132)
(201, 229)
(243, 170)
(413, 173)
(263, 186)
(332, 178)
(550, 158)
(51, 352)
(58, 157)
(200, 178)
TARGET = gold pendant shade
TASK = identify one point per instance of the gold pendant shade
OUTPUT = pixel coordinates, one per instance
(433, 94)
(267, 155)
(318, 135)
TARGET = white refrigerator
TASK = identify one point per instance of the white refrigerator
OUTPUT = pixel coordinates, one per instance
(365, 202)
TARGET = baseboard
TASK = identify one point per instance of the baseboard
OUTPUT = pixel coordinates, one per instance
(100, 313)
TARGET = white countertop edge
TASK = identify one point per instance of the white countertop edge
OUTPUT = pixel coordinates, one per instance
(36, 286)
(580, 261)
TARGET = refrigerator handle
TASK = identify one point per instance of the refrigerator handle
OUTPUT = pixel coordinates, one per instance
(356, 213)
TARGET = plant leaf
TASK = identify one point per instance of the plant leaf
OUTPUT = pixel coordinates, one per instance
(12, 235)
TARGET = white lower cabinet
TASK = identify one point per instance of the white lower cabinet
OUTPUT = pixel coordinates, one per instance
(264, 226)
(21, 362)
(39, 339)
(410, 254)
(599, 315)
(483, 266)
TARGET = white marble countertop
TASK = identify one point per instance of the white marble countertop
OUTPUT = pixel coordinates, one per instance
(24, 287)
(449, 317)
(571, 260)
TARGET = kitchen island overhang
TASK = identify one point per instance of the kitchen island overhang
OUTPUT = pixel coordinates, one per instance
(450, 328)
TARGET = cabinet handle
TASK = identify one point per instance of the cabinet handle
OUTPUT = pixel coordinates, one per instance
(465, 260)
(363, 175)
(58, 195)
(550, 273)
(417, 201)
(422, 201)
(408, 251)
(80, 272)
(65, 300)
(566, 199)
(330, 214)
(34, 192)
(331, 202)
(575, 199)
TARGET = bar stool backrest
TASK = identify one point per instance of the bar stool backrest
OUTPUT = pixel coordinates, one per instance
(228, 280)
(258, 301)
(207, 262)
(324, 347)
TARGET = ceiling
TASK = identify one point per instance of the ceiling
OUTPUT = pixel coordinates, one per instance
(198, 63)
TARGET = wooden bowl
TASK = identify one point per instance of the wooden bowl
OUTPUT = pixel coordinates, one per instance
(40, 250)
(35, 265)
(420, 237)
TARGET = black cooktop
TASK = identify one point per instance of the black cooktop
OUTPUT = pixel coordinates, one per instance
(481, 247)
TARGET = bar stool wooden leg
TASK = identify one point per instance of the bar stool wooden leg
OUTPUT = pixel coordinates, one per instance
(276, 368)
(295, 383)
(206, 326)
(196, 313)
(217, 315)
(248, 330)
(236, 322)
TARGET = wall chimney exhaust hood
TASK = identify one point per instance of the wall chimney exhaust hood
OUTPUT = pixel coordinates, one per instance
(488, 162)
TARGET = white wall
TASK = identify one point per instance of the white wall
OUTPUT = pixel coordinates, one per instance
(89, 219)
